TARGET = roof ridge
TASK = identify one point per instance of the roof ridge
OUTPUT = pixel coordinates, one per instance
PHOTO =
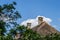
(41, 25)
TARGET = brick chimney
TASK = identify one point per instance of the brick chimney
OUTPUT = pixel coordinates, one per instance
(28, 25)
(40, 20)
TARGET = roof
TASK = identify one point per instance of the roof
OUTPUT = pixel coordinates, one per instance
(44, 29)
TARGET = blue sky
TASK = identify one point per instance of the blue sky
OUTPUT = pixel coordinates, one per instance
(32, 8)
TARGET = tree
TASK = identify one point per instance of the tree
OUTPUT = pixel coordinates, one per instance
(8, 18)
(28, 34)
(2, 27)
(9, 15)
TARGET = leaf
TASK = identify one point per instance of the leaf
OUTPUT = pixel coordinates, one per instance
(14, 3)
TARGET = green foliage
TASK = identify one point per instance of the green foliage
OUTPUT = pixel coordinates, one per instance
(8, 37)
(52, 37)
(12, 32)
(2, 27)
(8, 16)
(30, 35)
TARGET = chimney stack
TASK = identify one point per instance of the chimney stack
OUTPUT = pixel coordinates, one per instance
(40, 20)
(28, 25)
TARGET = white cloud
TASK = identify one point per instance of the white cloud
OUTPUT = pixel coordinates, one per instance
(34, 22)
(48, 20)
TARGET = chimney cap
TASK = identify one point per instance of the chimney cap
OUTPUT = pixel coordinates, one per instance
(28, 24)
(40, 18)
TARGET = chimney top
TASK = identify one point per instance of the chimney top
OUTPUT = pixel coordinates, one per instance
(40, 20)
(29, 25)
